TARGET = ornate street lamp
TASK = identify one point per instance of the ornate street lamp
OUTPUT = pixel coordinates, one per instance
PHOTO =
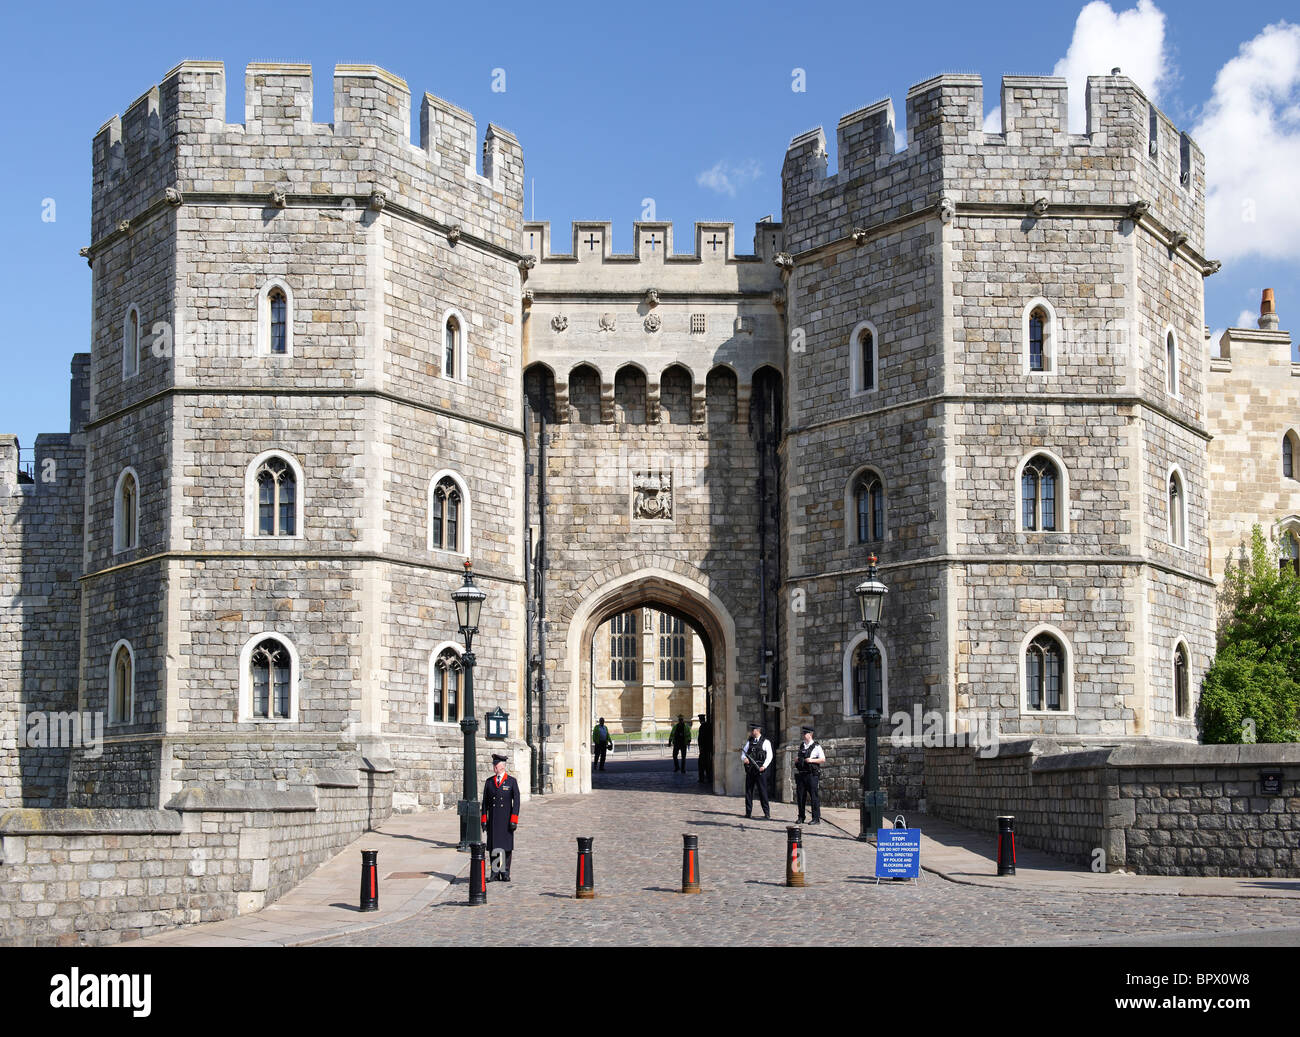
(871, 603)
(468, 600)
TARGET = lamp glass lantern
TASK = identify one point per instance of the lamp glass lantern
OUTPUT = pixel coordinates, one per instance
(871, 600)
(468, 599)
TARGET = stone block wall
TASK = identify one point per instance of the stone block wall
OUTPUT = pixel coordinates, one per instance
(101, 876)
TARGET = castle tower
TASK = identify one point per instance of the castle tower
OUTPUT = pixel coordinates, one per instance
(997, 384)
(305, 417)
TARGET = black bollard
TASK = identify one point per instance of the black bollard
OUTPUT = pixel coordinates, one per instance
(794, 862)
(1006, 845)
(690, 864)
(586, 885)
(477, 875)
(369, 880)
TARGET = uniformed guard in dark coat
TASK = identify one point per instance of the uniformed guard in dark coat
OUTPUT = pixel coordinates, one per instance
(500, 814)
(704, 738)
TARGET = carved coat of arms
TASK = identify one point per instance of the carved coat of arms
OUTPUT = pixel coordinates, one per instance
(652, 495)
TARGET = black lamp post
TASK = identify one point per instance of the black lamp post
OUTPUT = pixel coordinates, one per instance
(468, 600)
(871, 602)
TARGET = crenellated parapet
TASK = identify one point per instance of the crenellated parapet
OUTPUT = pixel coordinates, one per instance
(174, 145)
(707, 261)
(1130, 152)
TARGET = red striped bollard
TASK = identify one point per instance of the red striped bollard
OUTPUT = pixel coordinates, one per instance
(794, 862)
(477, 875)
(690, 864)
(369, 880)
(1007, 845)
(586, 884)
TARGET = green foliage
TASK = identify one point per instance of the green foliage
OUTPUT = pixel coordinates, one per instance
(1254, 683)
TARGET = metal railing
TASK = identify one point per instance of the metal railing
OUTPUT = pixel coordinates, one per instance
(27, 464)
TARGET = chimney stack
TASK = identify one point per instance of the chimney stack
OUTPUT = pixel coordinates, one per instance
(1268, 320)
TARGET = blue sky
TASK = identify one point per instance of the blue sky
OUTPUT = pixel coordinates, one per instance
(689, 104)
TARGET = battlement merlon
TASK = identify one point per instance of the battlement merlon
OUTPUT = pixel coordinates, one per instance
(1150, 159)
(652, 261)
(184, 118)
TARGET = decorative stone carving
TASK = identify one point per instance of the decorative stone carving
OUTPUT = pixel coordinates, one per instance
(559, 322)
(378, 199)
(947, 209)
(527, 298)
(744, 325)
(606, 322)
(172, 196)
(1040, 207)
(1177, 239)
(784, 260)
(651, 297)
(1138, 209)
(778, 299)
(84, 252)
(859, 236)
(652, 496)
(453, 234)
(124, 226)
(652, 323)
(278, 199)
(526, 263)
(1213, 267)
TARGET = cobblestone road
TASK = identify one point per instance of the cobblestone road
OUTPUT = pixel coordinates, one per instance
(638, 815)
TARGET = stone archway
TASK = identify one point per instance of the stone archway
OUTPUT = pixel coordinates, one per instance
(673, 591)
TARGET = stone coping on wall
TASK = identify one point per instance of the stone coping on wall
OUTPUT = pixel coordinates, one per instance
(218, 798)
(88, 821)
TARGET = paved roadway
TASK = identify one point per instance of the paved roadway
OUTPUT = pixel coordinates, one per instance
(640, 810)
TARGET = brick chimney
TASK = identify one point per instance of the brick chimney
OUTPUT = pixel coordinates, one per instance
(1268, 320)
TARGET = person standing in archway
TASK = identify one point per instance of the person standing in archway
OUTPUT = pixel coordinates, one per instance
(600, 742)
(704, 739)
(757, 754)
(680, 740)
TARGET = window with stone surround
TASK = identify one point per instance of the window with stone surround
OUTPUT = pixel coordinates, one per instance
(454, 346)
(1177, 509)
(121, 684)
(698, 323)
(1171, 362)
(126, 511)
(275, 319)
(1039, 501)
(868, 507)
(131, 342)
(1182, 696)
(268, 679)
(1046, 674)
(449, 517)
(446, 703)
(864, 359)
(672, 648)
(623, 637)
(1289, 444)
(273, 496)
(1289, 558)
(1039, 336)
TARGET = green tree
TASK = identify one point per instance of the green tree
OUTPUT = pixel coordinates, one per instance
(1253, 687)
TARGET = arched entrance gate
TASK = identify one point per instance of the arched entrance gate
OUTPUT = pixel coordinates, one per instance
(668, 591)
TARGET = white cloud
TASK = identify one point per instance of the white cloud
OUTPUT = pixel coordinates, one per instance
(1245, 319)
(1132, 40)
(724, 177)
(1250, 133)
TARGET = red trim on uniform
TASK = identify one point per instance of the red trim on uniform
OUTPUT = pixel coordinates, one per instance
(514, 819)
(483, 820)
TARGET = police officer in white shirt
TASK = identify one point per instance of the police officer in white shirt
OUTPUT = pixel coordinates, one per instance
(807, 766)
(757, 755)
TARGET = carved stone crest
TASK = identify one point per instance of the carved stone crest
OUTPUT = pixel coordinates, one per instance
(277, 199)
(652, 496)
(652, 323)
(606, 322)
(652, 297)
(947, 209)
(1138, 209)
(859, 236)
(172, 196)
(1039, 207)
(124, 226)
(527, 298)
(784, 260)
(378, 199)
(559, 322)
(453, 234)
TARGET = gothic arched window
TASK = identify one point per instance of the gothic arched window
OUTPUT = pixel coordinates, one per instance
(277, 498)
(1177, 511)
(270, 677)
(1045, 677)
(446, 705)
(279, 305)
(131, 343)
(1289, 562)
(1039, 495)
(1182, 699)
(446, 513)
(672, 648)
(121, 684)
(869, 506)
(623, 635)
(1288, 455)
(1171, 363)
(126, 512)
